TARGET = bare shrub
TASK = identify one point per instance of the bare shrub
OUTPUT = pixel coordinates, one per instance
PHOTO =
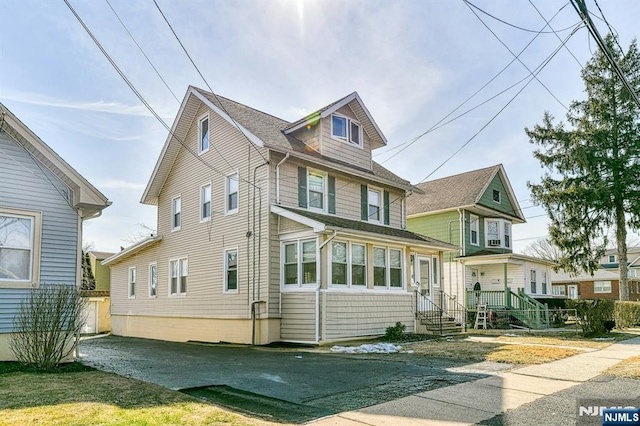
(47, 321)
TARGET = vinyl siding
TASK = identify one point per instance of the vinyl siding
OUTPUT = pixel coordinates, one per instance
(298, 321)
(347, 191)
(342, 150)
(310, 136)
(437, 226)
(23, 185)
(505, 205)
(203, 243)
(364, 314)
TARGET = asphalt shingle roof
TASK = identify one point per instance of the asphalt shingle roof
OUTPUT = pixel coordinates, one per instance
(357, 225)
(451, 192)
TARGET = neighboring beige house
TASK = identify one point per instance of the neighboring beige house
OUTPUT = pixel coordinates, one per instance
(98, 317)
(271, 231)
(475, 211)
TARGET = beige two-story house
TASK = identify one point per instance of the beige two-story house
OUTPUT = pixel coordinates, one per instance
(272, 231)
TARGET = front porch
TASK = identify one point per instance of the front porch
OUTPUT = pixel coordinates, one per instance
(507, 306)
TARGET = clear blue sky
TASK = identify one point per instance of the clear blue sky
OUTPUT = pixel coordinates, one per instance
(412, 62)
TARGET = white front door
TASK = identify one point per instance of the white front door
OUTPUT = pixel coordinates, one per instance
(424, 280)
(573, 291)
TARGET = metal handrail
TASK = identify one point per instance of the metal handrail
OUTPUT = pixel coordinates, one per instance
(454, 309)
(428, 310)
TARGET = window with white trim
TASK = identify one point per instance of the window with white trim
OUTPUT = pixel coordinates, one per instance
(379, 267)
(176, 213)
(316, 190)
(473, 229)
(374, 200)
(153, 280)
(205, 202)
(497, 233)
(602, 286)
(300, 262)
(348, 264)
(497, 197)
(231, 270)
(132, 282)
(559, 290)
(20, 232)
(339, 263)
(388, 268)
(612, 258)
(543, 281)
(395, 268)
(203, 134)
(178, 273)
(346, 129)
(231, 191)
(358, 265)
(533, 282)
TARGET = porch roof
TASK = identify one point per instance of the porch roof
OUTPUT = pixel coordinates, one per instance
(321, 222)
(484, 258)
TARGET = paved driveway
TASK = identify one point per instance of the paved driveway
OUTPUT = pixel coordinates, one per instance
(329, 381)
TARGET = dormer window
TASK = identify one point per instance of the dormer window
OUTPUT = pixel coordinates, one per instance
(345, 129)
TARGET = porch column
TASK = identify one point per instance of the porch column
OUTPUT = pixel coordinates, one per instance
(507, 301)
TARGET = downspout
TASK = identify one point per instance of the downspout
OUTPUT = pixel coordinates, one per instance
(253, 303)
(286, 157)
(328, 240)
(463, 250)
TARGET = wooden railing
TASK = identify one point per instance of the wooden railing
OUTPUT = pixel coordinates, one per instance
(519, 305)
(491, 298)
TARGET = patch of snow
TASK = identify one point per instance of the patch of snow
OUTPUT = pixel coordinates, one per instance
(510, 335)
(603, 339)
(299, 356)
(378, 348)
(272, 378)
(408, 352)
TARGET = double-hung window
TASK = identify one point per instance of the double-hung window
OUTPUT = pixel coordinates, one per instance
(132, 282)
(19, 247)
(203, 134)
(300, 262)
(358, 265)
(602, 286)
(316, 188)
(231, 189)
(473, 227)
(348, 264)
(498, 233)
(375, 205)
(379, 267)
(153, 280)
(559, 290)
(543, 281)
(534, 283)
(387, 268)
(346, 129)
(339, 263)
(231, 270)
(395, 268)
(507, 234)
(178, 270)
(176, 213)
(205, 202)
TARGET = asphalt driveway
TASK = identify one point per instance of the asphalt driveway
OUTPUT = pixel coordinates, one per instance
(328, 382)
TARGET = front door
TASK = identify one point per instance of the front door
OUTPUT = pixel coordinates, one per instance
(423, 277)
(573, 291)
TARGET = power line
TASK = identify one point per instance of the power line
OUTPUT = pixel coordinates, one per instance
(204, 79)
(520, 28)
(438, 125)
(610, 28)
(581, 9)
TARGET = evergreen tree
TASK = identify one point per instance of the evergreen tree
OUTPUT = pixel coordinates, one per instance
(592, 182)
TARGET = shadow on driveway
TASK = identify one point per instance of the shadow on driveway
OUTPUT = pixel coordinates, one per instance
(280, 384)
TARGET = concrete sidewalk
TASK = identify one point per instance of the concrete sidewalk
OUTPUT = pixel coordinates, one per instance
(473, 402)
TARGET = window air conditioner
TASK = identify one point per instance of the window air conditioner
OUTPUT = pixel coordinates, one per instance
(494, 243)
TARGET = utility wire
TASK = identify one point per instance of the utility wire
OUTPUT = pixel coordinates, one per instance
(581, 9)
(520, 28)
(437, 125)
(204, 79)
(142, 51)
(610, 28)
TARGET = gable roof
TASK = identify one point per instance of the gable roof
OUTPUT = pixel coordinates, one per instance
(100, 255)
(463, 190)
(261, 129)
(88, 201)
(359, 109)
(132, 249)
(321, 222)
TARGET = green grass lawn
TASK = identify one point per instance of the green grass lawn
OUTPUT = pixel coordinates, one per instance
(76, 395)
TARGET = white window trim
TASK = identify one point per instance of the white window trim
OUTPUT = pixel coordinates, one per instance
(36, 236)
(173, 213)
(151, 265)
(533, 272)
(562, 291)
(381, 206)
(348, 127)
(614, 258)
(544, 284)
(474, 219)
(209, 184)
(602, 290)
(131, 295)
(200, 120)
(227, 181)
(226, 270)
(349, 284)
(387, 286)
(299, 285)
(325, 198)
(501, 235)
(499, 201)
(178, 293)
